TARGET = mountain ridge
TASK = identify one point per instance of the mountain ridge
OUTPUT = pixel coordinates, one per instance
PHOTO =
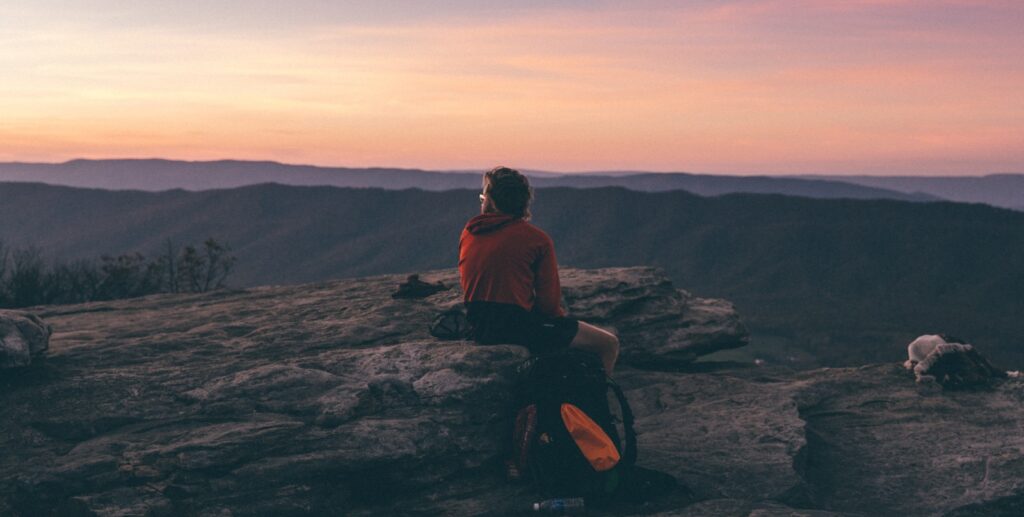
(157, 174)
(1005, 190)
(825, 277)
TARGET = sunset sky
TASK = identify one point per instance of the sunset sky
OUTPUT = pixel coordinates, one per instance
(732, 87)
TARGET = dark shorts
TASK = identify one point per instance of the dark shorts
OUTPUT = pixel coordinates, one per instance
(504, 323)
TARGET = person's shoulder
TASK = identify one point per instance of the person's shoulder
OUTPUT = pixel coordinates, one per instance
(535, 232)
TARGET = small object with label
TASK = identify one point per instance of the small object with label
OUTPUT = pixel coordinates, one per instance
(567, 505)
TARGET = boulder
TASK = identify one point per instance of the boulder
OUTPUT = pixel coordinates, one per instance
(721, 436)
(23, 338)
(878, 443)
(659, 326)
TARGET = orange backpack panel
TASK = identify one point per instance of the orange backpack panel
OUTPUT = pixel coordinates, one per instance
(592, 441)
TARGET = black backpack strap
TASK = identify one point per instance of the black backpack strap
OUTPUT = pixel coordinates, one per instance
(629, 454)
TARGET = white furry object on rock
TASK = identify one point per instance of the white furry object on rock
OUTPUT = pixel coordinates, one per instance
(921, 370)
(921, 347)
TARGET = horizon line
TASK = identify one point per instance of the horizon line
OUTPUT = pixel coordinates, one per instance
(525, 170)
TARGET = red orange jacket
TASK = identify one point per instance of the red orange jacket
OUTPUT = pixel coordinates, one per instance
(508, 260)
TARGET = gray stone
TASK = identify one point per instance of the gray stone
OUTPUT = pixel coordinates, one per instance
(878, 443)
(658, 325)
(23, 337)
(722, 436)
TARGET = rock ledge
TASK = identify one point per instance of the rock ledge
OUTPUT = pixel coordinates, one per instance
(332, 399)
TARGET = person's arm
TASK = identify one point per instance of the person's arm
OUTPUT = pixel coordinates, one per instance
(462, 239)
(547, 285)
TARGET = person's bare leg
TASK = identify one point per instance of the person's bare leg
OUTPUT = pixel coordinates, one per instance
(598, 341)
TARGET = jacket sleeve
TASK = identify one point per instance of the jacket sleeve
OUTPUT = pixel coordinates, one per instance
(547, 285)
(462, 239)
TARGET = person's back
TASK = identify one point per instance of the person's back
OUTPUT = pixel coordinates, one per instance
(509, 276)
(508, 260)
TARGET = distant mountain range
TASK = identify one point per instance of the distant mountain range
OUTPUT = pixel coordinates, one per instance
(838, 281)
(159, 175)
(1003, 190)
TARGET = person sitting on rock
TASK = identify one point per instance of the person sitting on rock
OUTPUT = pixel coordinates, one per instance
(509, 277)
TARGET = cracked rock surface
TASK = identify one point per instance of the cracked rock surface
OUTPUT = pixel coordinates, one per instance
(333, 399)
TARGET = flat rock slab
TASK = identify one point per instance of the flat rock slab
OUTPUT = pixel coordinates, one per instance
(722, 436)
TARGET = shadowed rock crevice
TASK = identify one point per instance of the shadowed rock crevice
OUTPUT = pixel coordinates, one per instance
(1012, 506)
(816, 464)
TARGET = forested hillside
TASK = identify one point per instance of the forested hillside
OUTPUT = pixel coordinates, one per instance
(830, 281)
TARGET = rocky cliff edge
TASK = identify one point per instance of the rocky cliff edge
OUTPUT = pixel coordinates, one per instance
(332, 399)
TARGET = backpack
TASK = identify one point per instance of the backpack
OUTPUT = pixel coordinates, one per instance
(563, 434)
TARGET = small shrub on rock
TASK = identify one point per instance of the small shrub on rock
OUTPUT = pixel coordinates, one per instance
(26, 279)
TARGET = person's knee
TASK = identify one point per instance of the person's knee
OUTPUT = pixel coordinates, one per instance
(606, 340)
(613, 348)
(610, 352)
(597, 340)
